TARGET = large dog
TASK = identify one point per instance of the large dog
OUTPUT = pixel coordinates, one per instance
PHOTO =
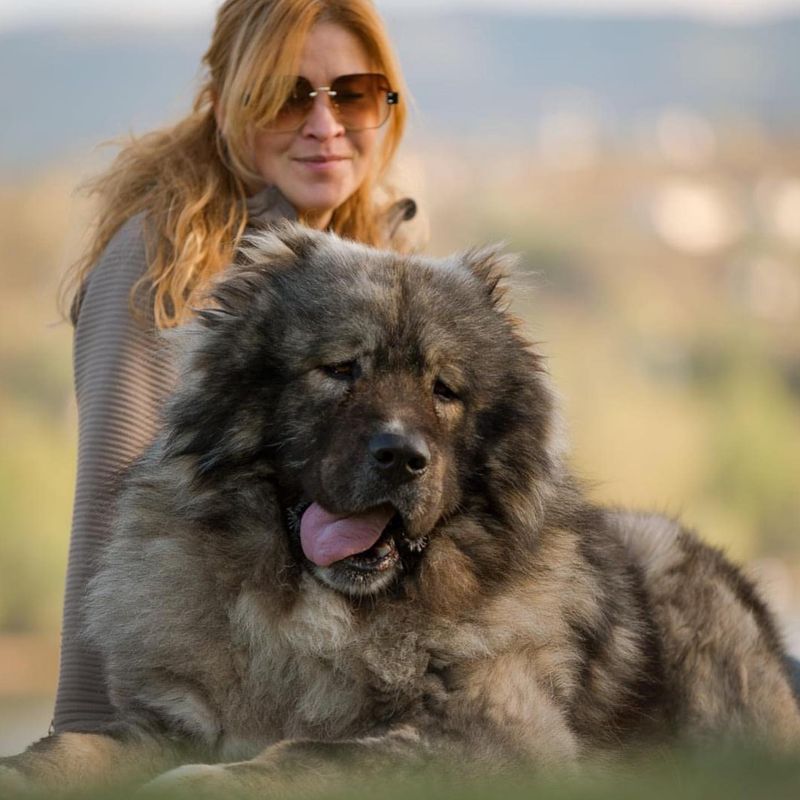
(357, 544)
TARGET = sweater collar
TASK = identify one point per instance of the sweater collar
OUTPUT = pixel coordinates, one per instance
(269, 205)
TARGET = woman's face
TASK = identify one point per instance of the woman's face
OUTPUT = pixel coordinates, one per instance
(319, 166)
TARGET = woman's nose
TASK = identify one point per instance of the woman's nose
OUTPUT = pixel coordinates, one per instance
(322, 122)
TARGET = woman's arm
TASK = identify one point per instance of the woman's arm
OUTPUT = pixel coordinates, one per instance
(122, 375)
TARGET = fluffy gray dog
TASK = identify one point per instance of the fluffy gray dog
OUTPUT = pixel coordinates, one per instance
(357, 544)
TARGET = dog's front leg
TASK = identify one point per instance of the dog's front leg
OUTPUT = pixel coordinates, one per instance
(471, 745)
(69, 761)
(297, 766)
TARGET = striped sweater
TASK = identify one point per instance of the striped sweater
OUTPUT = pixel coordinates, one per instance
(123, 374)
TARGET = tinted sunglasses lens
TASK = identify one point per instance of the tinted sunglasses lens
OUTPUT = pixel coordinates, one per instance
(361, 101)
(296, 107)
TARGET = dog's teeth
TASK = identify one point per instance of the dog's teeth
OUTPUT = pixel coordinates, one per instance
(383, 549)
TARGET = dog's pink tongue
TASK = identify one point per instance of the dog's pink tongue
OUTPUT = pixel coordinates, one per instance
(327, 537)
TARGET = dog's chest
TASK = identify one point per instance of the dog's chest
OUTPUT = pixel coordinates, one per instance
(316, 670)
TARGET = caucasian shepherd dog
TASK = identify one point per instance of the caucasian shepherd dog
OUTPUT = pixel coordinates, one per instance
(357, 544)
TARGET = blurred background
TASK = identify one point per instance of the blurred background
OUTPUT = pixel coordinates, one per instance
(642, 156)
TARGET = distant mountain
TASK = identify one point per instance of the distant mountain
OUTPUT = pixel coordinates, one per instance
(64, 90)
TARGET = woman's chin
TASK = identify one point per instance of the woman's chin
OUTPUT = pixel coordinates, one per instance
(319, 199)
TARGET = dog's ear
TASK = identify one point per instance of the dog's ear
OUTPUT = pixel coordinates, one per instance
(215, 352)
(263, 251)
(491, 265)
(276, 244)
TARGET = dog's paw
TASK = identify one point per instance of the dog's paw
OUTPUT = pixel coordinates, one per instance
(13, 783)
(192, 780)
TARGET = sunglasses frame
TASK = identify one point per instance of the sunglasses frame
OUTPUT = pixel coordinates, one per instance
(392, 99)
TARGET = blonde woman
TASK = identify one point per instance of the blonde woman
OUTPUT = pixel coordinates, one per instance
(299, 116)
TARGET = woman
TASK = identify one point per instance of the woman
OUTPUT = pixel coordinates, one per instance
(298, 117)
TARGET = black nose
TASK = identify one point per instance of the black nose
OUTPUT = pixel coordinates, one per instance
(400, 456)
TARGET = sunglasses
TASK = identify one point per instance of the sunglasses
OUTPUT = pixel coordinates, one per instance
(359, 102)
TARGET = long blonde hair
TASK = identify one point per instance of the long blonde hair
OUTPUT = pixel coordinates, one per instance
(191, 179)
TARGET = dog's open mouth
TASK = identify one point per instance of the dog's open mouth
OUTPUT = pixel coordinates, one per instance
(383, 554)
(368, 541)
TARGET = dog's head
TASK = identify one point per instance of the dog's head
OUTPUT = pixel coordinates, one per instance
(381, 395)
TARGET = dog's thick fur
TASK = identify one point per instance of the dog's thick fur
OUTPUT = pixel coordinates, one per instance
(522, 624)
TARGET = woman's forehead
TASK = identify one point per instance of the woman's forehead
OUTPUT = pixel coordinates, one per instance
(331, 50)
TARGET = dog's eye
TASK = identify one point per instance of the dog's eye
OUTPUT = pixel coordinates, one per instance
(444, 392)
(345, 370)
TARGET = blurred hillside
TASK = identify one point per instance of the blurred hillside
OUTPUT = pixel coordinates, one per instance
(647, 172)
(472, 74)
(666, 293)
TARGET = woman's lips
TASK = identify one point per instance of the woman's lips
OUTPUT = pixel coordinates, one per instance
(322, 163)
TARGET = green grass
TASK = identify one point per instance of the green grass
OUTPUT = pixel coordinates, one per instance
(686, 775)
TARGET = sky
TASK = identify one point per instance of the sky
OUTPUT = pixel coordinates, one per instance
(14, 13)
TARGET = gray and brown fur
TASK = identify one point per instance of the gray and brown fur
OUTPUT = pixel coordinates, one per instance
(531, 628)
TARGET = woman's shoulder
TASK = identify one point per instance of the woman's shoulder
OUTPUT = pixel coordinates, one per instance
(120, 266)
(125, 255)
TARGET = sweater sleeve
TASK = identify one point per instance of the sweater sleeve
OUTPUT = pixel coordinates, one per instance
(122, 376)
